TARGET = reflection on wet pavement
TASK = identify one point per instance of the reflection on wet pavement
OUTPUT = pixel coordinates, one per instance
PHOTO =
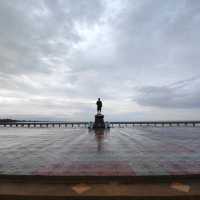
(100, 135)
(118, 152)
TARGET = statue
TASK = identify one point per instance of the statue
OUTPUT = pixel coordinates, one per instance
(99, 118)
(99, 105)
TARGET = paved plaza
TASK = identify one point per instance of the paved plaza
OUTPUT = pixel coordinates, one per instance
(117, 152)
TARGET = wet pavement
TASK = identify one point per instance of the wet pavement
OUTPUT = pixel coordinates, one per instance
(118, 152)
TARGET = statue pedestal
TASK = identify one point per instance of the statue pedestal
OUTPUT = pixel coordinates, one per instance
(99, 121)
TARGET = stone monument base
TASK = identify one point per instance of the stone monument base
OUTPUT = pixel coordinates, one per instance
(99, 121)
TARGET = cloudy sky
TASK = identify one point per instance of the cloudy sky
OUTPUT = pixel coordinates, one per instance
(142, 57)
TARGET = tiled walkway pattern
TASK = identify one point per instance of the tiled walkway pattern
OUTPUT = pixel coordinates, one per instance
(118, 152)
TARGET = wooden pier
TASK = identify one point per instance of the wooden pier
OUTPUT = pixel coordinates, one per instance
(112, 124)
(46, 124)
(154, 123)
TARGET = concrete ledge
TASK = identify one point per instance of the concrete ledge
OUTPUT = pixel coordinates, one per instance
(99, 179)
(45, 187)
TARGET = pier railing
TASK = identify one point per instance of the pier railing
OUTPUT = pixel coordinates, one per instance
(154, 123)
(46, 124)
(112, 124)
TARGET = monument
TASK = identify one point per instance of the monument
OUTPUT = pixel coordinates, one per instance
(99, 118)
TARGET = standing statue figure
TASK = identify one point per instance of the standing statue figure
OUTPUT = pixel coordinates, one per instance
(99, 105)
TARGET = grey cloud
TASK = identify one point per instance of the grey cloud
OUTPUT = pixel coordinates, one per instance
(151, 33)
(81, 10)
(182, 94)
(33, 30)
(150, 38)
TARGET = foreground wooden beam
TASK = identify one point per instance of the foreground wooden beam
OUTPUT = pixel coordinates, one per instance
(53, 188)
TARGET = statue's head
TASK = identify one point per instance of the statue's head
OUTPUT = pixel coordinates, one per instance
(99, 99)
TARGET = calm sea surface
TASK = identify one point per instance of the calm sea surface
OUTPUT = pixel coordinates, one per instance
(120, 151)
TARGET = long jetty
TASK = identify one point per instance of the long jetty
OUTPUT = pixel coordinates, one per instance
(46, 124)
(155, 123)
(112, 124)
